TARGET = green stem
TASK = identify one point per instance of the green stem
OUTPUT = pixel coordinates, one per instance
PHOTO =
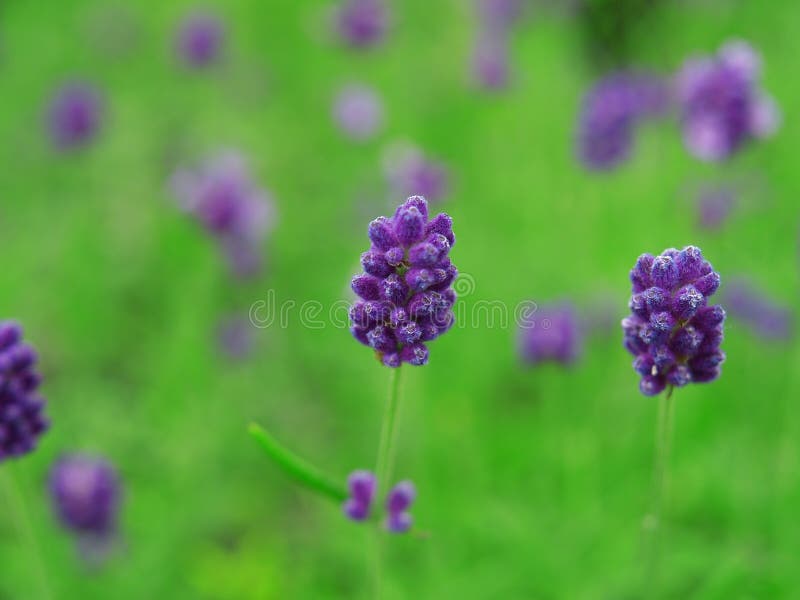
(297, 468)
(652, 523)
(20, 516)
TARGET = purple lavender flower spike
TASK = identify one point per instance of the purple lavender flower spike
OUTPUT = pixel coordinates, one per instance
(765, 317)
(722, 105)
(400, 498)
(362, 23)
(362, 486)
(74, 116)
(199, 40)
(221, 195)
(553, 334)
(405, 293)
(85, 492)
(358, 112)
(22, 420)
(672, 331)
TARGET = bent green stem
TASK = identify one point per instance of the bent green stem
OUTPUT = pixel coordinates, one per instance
(652, 522)
(297, 468)
(19, 513)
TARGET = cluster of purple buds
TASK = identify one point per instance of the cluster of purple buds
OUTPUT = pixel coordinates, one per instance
(21, 408)
(611, 110)
(405, 290)
(358, 112)
(222, 196)
(410, 173)
(553, 334)
(490, 66)
(199, 40)
(673, 332)
(722, 104)
(362, 486)
(74, 116)
(85, 493)
(762, 314)
(362, 23)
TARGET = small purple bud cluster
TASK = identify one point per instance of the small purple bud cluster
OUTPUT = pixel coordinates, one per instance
(758, 311)
(21, 408)
(554, 334)
(405, 290)
(362, 486)
(362, 23)
(74, 116)
(410, 173)
(85, 493)
(222, 196)
(673, 332)
(199, 40)
(610, 112)
(358, 112)
(490, 59)
(722, 104)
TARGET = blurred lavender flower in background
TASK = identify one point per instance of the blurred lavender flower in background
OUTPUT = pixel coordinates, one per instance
(610, 111)
(410, 173)
(199, 39)
(358, 111)
(400, 498)
(235, 337)
(722, 105)
(21, 408)
(760, 313)
(221, 195)
(672, 331)
(490, 66)
(714, 205)
(554, 334)
(361, 485)
(498, 15)
(362, 23)
(74, 116)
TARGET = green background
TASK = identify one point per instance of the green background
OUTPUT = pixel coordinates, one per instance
(532, 483)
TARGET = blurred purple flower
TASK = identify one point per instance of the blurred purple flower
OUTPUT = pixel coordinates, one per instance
(411, 173)
(22, 420)
(490, 62)
(714, 206)
(225, 200)
(553, 334)
(361, 486)
(362, 23)
(235, 337)
(85, 492)
(672, 331)
(400, 498)
(74, 116)
(750, 305)
(199, 39)
(722, 105)
(498, 15)
(358, 111)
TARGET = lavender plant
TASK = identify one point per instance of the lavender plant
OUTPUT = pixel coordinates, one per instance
(199, 40)
(74, 116)
(362, 24)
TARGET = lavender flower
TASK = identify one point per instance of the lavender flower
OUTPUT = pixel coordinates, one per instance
(722, 105)
(199, 40)
(611, 110)
(358, 111)
(361, 485)
(714, 206)
(763, 315)
(225, 200)
(399, 500)
(490, 62)
(498, 15)
(553, 335)
(362, 23)
(410, 173)
(74, 116)
(235, 337)
(85, 492)
(673, 332)
(22, 420)
(405, 290)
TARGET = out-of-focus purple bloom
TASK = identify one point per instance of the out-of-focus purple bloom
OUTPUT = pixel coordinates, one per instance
(714, 206)
(673, 332)
(358, 111)
(722, 105)
(490, 66)
(235, 337)
(498, 15)
(85, 492)
(74, 116)
(553, 334)
(611, 110)
(400, 498)
(362, 23)
(411, 173)
(764, 316)
(361, 485)
(22, 419)
(226, 201)
(199, 39)
(405, 290)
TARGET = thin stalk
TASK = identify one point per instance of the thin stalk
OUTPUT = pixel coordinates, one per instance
(20, 516)
(296, 467)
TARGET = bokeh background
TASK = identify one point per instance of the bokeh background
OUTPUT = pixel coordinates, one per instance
(532, 481)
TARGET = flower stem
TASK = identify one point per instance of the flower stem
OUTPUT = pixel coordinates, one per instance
(652, 523)
(296, 467)
(20, 516)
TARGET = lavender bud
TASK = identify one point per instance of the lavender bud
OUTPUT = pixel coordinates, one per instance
(382, 339)
(443, 225)
(419, 280)
(374, 263)
(395, 256)
(664, 272)
(381, 234)
(394, 290)
(708, 284)
(415, 354)
(687, 302)
(409, 225)
(423, 254)
(367, 287)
